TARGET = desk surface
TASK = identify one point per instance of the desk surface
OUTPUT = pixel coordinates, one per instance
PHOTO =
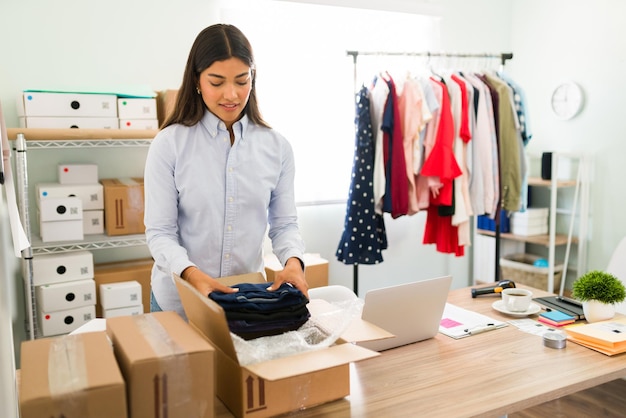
(490, 374)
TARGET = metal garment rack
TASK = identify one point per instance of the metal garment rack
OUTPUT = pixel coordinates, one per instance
(503, 56)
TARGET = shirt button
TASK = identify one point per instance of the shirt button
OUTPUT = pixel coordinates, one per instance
(230, 169)
(227, 256)
(230, 228)
(230, 199)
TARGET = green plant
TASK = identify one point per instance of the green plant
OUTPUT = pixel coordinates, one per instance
(599, 285)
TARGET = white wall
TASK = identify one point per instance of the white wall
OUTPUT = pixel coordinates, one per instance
(116, 43)
(583, 41)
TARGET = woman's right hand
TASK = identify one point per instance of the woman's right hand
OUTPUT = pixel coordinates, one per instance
(204, 283)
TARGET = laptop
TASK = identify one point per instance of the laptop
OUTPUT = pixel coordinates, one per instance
(412, 311)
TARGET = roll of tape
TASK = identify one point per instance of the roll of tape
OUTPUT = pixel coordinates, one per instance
(554, 340)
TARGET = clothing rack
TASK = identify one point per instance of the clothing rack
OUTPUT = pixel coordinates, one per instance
(504, 57)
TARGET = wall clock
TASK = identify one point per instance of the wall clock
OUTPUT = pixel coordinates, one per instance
(567, 100)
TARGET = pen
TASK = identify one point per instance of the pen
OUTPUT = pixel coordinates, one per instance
(479, 330)
(569, 301)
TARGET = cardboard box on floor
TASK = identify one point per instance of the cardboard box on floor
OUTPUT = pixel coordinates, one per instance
(315, 269)
(114, 272)
(167, 366)
(276, 386)
(71, 376)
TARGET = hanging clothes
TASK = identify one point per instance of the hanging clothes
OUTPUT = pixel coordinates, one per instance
(396, 199)
(451, 144)
(364, 236)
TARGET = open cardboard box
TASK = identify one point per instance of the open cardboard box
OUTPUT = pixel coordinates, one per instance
(281, 385)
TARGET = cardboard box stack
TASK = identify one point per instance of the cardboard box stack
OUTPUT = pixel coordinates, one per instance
(64, 110)
(139, 271)
(166, 100)
(66, 291)
(533, 221)
(38, 109)
(123, 206)
(137, 113)
(121, 299)
(77, 184)
(71, 376)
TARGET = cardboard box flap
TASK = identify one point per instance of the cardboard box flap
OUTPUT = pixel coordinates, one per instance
(357, 330)
(243, 278)
(310, 362)
(207, 316)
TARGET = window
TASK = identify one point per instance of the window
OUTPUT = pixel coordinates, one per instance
(306, 81)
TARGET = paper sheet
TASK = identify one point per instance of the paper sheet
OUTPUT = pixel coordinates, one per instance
(20, 240)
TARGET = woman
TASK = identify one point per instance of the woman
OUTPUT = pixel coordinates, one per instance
(216, 175)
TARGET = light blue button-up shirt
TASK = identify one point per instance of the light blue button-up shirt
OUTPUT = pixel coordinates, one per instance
(209, 204)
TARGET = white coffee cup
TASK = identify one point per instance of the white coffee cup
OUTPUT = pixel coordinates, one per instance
(516, 299)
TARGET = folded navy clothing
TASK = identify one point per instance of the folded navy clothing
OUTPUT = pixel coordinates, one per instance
(251, 315)
(255, 329)
(255, 296)
(254, 311)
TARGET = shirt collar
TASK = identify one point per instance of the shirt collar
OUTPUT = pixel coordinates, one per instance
(214, 124)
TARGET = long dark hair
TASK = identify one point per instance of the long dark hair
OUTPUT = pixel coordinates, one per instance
(215, 43)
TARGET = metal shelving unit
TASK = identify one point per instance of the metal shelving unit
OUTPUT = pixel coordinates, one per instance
(25, 139)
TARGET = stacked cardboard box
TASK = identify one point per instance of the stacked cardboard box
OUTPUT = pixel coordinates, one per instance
(137, 113)
(123, 206)
(121, 299)
(37, 109)
(66, 291)
(124, 271)
(78, 185)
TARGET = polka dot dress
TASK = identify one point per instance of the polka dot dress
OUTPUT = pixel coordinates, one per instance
(364, 235)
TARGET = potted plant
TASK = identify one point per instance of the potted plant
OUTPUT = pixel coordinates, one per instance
(599, 291)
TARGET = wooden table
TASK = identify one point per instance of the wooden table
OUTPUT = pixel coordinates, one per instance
(489, 374)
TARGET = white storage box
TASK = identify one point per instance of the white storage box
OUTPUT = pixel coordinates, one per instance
(68, 123)
(120, 295)
(92, 195)
(533, 221)
(531, 214)
(63, 322)
(128, 311)
(55, 268)
(136, 108)
(529, 230)
(66, 295)
(78, 173)
(139, 124)
(59, 231)
(93, 222)
(67, 104)
(61, 209)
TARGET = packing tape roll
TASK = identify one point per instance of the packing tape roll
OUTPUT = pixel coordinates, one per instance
(554, 340)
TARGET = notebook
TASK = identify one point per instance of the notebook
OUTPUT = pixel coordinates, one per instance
(410, 311)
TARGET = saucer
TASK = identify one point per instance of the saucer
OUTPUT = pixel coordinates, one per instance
(532, 309)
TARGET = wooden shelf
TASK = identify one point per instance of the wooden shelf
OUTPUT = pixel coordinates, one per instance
(40, 134)
(560, 239)
(538, 181)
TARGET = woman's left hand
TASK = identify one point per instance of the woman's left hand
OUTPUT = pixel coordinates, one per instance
(292, 274)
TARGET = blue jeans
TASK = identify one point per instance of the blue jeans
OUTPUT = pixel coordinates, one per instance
(154, 306)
